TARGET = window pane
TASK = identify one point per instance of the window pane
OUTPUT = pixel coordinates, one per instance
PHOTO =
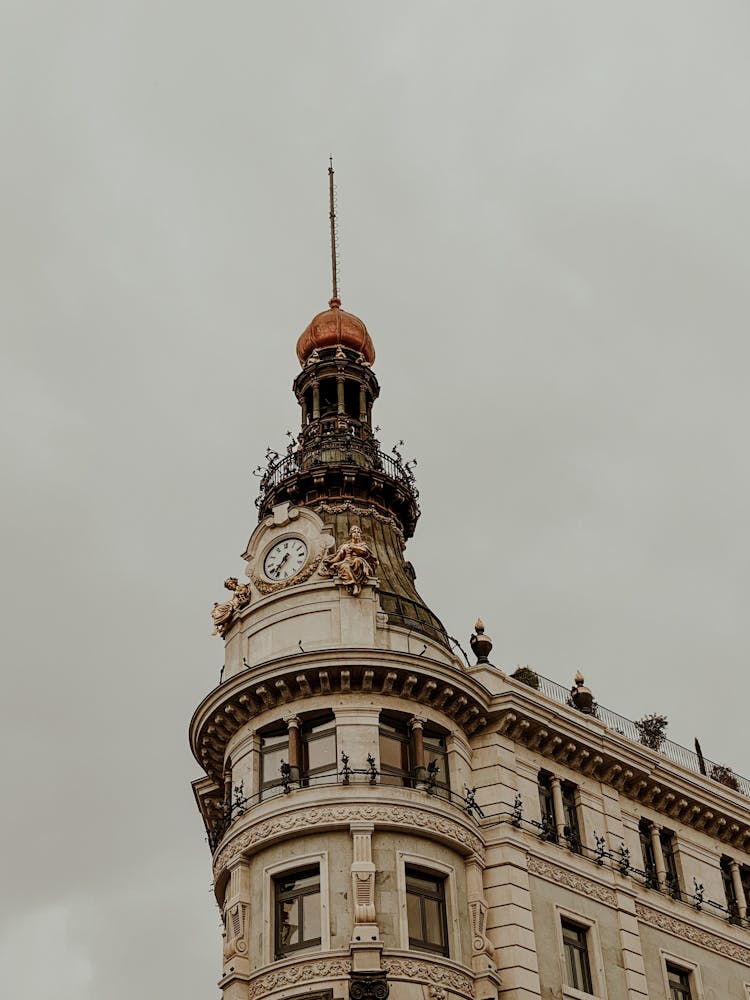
(288, 922)
(321, 752)
(392, 752)
(417, 882)
(320, 725)
(272, 763)
(414, 916)
(433, 919)
(311, 916)
(274, 739)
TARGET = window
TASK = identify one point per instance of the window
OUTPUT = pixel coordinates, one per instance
(570, 816)
(647, 850)
(297, 912)
(394, 752)
(319, 764)
(274, 749)
(547, 805)
(576, 951)
(425, 909)
(669, 857)
(667, 839)
(734, 905)
(679, 983)
(436, 754)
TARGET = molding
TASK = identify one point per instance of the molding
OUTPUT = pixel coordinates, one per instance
(320, 816)
(689, 932)
(569, 879)
(429, 972)
(294, 975)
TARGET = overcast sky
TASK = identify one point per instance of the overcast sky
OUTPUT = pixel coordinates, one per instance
(545, 223)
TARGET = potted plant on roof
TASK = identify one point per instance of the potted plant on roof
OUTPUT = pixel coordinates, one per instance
(652, 730)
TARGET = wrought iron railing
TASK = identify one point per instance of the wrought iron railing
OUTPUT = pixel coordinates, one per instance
(672, 751)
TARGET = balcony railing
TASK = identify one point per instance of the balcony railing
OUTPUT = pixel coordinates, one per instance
(671, 751)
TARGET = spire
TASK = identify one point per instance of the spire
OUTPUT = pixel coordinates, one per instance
(334, 251)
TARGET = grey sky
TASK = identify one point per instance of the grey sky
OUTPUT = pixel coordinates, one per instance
(545, 223)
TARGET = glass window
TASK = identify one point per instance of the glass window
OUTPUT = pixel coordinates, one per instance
(679, 983)
(394, 752)
(297, 912)
(668, 849)
(745, 880)
(547, 805)
(319, 764)
(570, 815)
(726, 878)
(274, 750)
(647, 850)
(425, 910)
(577, 966)
(436, 754)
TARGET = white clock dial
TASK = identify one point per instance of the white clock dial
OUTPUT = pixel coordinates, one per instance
(285, 559)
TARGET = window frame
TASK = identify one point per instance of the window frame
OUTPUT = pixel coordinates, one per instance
(272, 873)
(432, 869)
(596, 963)
(404, 737)
(265, 785)
(690, 969)
(438, 896)
(571, 802)
(547, 802)
(306, 737)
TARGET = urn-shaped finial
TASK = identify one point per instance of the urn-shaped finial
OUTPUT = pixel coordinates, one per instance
(581, 697)
(481, 644)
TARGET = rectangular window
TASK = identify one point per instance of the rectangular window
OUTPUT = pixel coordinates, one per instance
(436, 757)
(745, 880)
(731, 895)
(547, 806)
(319, 764)
(394, 753)
(679, 983)
(274, 750)
(297, 912)
(668, 850)
(425, 908)
(575, 947)
(570, 815)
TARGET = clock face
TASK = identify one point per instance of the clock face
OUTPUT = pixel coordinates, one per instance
(285, 559)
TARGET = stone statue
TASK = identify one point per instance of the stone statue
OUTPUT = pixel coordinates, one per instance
(223, 613)
(352, 564)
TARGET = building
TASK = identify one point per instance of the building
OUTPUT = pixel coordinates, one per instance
(387, 818)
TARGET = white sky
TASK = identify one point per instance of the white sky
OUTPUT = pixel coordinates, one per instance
(545, 215)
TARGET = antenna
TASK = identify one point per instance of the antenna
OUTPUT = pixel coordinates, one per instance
(332, 217)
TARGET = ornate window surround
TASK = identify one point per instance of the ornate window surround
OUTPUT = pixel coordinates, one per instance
(405, 859)
(596, 962)
(290, 865)
(692, 969)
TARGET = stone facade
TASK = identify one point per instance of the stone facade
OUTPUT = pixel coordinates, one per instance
(386, 821)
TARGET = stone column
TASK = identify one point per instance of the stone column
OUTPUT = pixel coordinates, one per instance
(362, 404)
(236, 930)
(661, 869)
(295, 748)
(316, 400)
(303, 404)
(417, 747)
(340, 395)
(739, 892)
(557, 805)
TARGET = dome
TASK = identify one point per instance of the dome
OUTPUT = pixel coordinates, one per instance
(334, 328)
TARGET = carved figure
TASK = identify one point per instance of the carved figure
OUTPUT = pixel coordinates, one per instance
(353, 563)
(223, 613)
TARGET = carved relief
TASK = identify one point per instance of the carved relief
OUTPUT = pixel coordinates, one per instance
(368, 986)
(571, 880)
(480, 943)
(347, 507)
(330, 968)
(689, 932)
(353, 564)
(397, 815)
(235, 930)
(223, 614)
(438, 976)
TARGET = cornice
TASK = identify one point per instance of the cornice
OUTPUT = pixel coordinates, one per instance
(587, 746)
(691, 932)
(289, 680)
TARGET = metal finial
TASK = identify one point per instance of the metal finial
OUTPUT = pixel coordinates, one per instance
(332, 217)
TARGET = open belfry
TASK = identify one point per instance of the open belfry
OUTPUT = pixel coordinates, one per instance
(387, 818)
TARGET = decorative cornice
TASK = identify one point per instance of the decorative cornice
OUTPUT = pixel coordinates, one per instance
(689, 932)
(347, 507)
(295, 975)
(429, 972)
(320, 816)
(571, 880)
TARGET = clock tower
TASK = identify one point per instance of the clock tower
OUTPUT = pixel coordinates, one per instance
(347, 859)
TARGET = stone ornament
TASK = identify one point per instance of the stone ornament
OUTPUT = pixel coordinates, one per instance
(689, 932)
(561, 876)
(353, 564)
(334, 815)
(265, 587)
(332, 968)
(437, 975)
(368, 986)
(223, 613)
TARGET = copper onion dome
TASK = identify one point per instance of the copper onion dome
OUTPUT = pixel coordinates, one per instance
(335, 328)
